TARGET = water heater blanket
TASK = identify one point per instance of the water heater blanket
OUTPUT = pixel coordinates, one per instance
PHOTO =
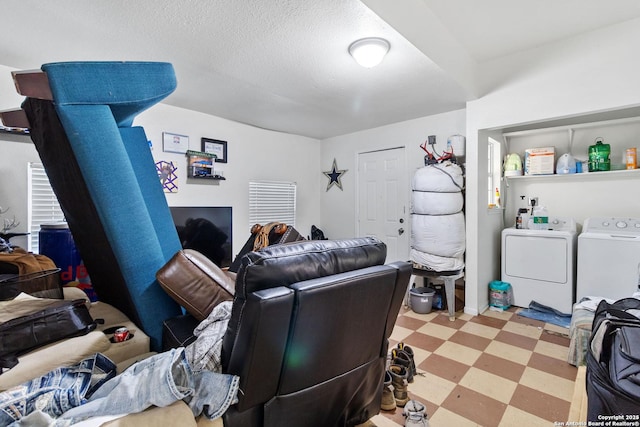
(437, 218)
(441, 235)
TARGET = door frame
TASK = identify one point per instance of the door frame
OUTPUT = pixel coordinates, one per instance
(406, 193)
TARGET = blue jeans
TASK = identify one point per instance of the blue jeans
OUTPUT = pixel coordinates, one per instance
(161, 380)
(57, 391)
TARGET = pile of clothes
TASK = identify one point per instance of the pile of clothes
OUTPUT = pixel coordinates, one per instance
(91, 388)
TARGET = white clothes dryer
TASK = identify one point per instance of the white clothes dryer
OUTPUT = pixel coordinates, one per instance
(540, 265)
(609, 258)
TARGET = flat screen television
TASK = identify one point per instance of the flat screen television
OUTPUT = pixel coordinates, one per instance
(207, 230)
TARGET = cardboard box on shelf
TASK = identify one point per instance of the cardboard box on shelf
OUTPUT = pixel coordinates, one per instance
(539, 161)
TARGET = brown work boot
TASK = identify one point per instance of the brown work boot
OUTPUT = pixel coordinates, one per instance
(388, 401)
(401, 357)
(401, 346)
(399, 382)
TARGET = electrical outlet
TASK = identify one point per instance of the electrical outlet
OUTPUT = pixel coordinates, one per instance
(533, 201)
(432, 140)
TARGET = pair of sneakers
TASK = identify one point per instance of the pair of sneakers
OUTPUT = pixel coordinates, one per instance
(415, 414)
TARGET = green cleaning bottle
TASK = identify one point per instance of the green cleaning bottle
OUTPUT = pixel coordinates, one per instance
(599, 156)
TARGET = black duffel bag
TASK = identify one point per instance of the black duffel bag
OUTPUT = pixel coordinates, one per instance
(31, 323)
(613, 360)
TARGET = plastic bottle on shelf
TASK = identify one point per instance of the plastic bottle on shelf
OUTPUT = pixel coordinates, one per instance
(540, 218)
(630, 157)
(522, 218)
(599, 156)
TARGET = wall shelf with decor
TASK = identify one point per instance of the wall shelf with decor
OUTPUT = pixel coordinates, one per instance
(576, 195)
(14, 134)
(211, 177)
(202, 165)
(621, 134)
(14, 131)
(617, 174)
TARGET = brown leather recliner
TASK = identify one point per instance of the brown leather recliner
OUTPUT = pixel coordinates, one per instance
(309, 332)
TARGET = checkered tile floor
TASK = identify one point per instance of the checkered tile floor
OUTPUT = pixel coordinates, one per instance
(496, 369)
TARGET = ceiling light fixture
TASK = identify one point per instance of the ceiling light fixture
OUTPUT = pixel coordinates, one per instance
(370, 51)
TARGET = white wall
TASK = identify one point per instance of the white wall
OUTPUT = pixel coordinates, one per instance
(339, 207)
(9, 98)
(14, 157)
(13, 172)
(590, 73)
(253, 154)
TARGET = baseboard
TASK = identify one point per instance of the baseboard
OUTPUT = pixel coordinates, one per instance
(578, 409)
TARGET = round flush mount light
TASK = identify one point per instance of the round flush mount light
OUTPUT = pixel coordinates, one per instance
(370, 51)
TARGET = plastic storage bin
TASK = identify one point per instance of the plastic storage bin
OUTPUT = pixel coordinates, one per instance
(500, 294)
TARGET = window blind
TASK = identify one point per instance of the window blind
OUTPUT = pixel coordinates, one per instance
(271, 201)
(43, 206)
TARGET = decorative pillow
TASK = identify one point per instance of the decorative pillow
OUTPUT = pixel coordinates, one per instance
(196, 283)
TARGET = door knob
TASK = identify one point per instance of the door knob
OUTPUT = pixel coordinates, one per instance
(400, 231)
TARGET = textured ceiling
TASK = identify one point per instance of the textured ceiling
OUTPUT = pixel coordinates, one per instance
(283, 64)
(489, 29)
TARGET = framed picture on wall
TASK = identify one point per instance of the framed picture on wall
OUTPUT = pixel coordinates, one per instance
(217, 147)
(174, 143)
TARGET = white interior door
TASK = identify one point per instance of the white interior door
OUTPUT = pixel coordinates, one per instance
(383, 195)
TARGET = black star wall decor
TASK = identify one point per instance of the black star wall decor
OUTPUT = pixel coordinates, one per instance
(334, 175)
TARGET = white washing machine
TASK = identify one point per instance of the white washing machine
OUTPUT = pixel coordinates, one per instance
(540, 265)
(609, 258)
